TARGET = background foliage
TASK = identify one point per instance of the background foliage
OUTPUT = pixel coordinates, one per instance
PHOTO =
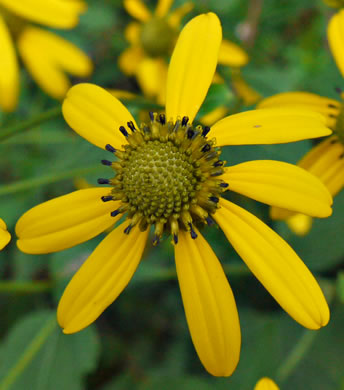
(142, 342)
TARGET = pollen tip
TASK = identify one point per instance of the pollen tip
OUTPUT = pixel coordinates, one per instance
(206, 148)
(106, 198)
(156, 240)
(162, 119)
(151, 115)
(103, 181)
(214, 199)
(175, 238)
(110, 148)
(114, 213)
(205, 131)
(131, 126)
(123, 131)
(185, 120)
(224, 185)
(192, 232)
(106, 162)
(210, 221)
(190, 133)
(128, 229)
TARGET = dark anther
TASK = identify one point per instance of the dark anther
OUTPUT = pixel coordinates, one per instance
(332, 116)
(214, 199)
(128, 229)
(103, 181)
(131, 126)
(218, 163)
(206, 148)
(341, 156)
(217, 173)
(114, 213)
(162, 119)
(205, 131)
(333, 141)
(224, 185)
(211, 155)
(106, 198)
(192, 232)
(156, 240)
(190, 133)
(330, 105)
(106, 162)
(151, 115)
(175, 238)
(210, 221)
(110, 148)
(123, 131)
(185, 120)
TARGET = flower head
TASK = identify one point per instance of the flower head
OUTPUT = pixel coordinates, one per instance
(46, 56)
(152, 37)
(169, 176)
(326, 160)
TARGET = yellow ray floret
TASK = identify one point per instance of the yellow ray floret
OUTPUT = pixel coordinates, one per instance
(266, 384)
(209, 305)
(100, 279)
(5, 236)
(280, 184)
(275, 265)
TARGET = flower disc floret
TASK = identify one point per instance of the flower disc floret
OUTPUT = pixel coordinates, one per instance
(166, 176)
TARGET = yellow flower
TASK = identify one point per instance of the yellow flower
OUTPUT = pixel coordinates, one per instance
(326, 160)
(46, 56)
(266, 384)
(169, 177)
(4, 235)
(152, 38)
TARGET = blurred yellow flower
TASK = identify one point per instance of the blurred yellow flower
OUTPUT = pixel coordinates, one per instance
(152, 38)
(326, 160)
(46, 56)
(266, 384)
(5, 236)
(169, 177)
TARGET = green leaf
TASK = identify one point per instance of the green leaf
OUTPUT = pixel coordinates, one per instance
(40, 357)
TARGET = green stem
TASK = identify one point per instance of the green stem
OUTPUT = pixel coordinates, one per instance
(29, 354)
(296, 355)
(30, 123)
(25, 287)
(46, 179)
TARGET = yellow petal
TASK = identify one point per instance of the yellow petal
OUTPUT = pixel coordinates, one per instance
(275, 265)
(5, 236)
(96, 115)
(53, 13)
(269, 126)
(48, 57)
(192, 66)
(326, 106)
(300, 224)
(280, 184)
(151, 76)
(65, 221)
(129, 60)
(213, 116)
(101, 279)
(335, 35)
(163, 7)
(132, 33)
(209, 305)
(122, 94)
(9, 79)
(232, 54)
(177, 15)
(266, 384)
(326, 162)
(137, 9)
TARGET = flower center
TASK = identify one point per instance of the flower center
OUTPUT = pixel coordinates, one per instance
(166, 176)
(157, 37)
